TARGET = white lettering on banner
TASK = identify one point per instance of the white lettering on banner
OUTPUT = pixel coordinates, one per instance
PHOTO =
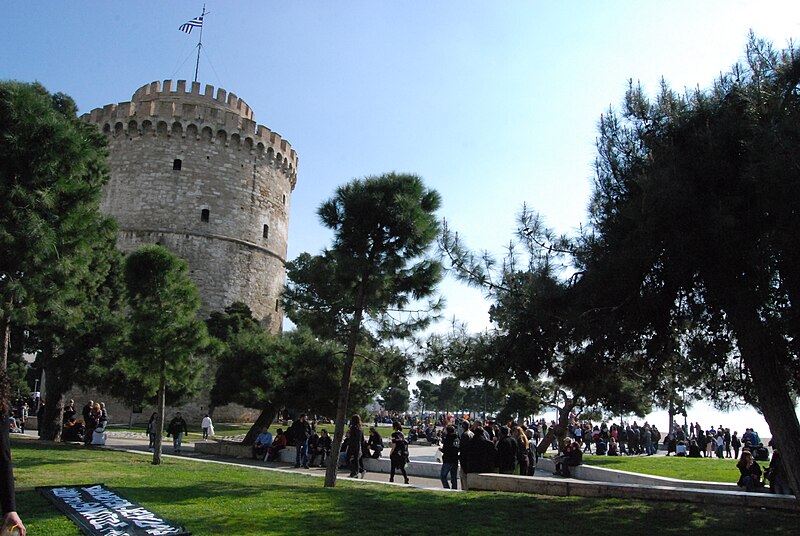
(110, 514)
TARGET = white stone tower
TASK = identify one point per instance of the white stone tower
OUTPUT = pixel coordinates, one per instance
(194, 172)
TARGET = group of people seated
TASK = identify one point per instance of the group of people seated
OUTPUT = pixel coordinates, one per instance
(752, 478)
(90, 429)
(267, 447)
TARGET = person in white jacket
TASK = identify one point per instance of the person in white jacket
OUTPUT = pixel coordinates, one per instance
(207, 426)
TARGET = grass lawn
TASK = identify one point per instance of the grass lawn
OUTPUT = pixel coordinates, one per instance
(214, 499)
(706, 469)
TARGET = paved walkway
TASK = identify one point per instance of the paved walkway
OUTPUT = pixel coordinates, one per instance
(137, 443)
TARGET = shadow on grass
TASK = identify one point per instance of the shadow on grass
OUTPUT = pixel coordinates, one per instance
(216, 499)
(283, 508)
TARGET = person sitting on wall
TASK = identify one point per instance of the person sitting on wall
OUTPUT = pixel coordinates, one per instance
(571, 457)
(694, 449)
(374, 443)
(761, 453)
(750, 478)
(680, 449)
(73, 431)
(262, 444)
(278, 444)
(322, 449)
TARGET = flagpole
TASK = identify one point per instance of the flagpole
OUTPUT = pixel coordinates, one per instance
(199, 44)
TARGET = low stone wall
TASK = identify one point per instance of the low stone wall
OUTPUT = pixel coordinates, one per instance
(601, 474)
(235, 449)
(570, 487)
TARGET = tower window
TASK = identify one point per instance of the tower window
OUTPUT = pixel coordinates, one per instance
(265, 233)
(277, 304)
(284, 199)
(176, 164)
(204, 214)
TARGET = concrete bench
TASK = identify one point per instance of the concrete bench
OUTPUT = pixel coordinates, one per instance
(570, 487)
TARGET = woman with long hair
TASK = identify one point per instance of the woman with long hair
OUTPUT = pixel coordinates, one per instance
(7, 498)
(354, 447)
(524, 450)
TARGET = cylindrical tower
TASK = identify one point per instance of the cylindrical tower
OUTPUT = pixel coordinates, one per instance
(194, 172)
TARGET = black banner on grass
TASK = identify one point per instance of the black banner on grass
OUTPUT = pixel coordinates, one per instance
(98, 511)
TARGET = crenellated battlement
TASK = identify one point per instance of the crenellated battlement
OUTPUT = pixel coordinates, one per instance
(165, 110)
(158, 91)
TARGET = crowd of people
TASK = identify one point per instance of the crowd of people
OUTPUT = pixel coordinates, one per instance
(472, 446)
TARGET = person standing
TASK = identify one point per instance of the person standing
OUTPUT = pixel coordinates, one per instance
(736, 443)
(354, 446)
(7, 496)
(301, 431)
(524, 458)
(206, 425)
(449, 448)
(463, 441)
(177, 428)
(151, 431)
(507, 448)
(69, 411)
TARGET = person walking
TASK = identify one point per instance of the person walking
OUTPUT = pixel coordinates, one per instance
(398, 456)
(177, 428)
(207, 426)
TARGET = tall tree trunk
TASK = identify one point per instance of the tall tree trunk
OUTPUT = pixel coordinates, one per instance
(264, 420)
(761, 356)
(5, 333)
(344, 389)
(52, 421)
(162, 393)
(560, 429)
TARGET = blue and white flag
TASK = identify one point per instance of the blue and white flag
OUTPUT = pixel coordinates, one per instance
(196, 22)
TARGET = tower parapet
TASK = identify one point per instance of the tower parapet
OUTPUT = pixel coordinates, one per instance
(167, 109)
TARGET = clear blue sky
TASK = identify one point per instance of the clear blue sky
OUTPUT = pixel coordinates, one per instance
(492, 103)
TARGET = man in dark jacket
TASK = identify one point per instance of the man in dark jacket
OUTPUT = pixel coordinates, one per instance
(450, 448)
(177, 428)
(507, 452)
(301, 431)
(479, 454)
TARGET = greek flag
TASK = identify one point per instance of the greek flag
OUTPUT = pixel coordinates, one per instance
(196, 22)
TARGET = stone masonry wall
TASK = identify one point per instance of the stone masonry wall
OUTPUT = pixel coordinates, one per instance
(196, 174)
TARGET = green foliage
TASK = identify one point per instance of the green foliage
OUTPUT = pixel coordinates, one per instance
(427, 395)
(237, 318)
(382, 227)
(396, 396)
(692, 248)
(165, 333)
(59, 270)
